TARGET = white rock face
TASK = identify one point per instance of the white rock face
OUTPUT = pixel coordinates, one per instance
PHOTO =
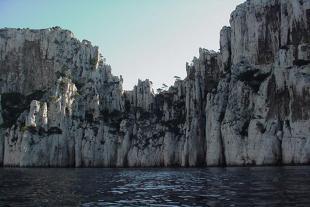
(263, 103)
(260, 28)
(225, 48)
(202, 77)
(249, 104)
(1, 136)
(142, 95)
(33, 116)
(215, 110)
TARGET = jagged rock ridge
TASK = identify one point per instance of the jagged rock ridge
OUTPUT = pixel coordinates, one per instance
(248, 104)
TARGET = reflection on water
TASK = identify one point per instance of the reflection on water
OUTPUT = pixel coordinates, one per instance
(259, 186)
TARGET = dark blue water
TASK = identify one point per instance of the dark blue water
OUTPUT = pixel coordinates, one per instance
(259, 186)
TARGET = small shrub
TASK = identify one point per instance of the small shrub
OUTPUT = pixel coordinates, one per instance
(79, 85)
(76, 95)
(23, 129)
(31, 129)
(53, 98)
(93, 62)
(301, 62)
(54, 130)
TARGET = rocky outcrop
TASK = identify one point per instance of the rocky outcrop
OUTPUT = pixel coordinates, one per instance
(261, 28)
(1, 135)
(142, 96)
(202, 78)
(256, 114)
(248, 104)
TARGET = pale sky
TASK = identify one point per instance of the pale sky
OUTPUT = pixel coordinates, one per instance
(139, 38)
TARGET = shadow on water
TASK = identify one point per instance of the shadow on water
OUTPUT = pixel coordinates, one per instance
(252, 186)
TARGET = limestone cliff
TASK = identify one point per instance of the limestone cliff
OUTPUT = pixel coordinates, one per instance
(248, 104)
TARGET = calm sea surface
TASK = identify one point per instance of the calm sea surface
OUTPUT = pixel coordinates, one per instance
(255, 186)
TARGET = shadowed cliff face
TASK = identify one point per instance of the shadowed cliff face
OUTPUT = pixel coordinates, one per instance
(248, 104)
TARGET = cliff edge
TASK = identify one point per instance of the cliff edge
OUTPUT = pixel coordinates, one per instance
(248, 104)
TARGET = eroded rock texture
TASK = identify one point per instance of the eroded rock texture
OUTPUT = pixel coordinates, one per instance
(248, 104)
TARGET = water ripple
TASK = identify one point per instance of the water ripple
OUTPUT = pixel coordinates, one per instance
(261, 186)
